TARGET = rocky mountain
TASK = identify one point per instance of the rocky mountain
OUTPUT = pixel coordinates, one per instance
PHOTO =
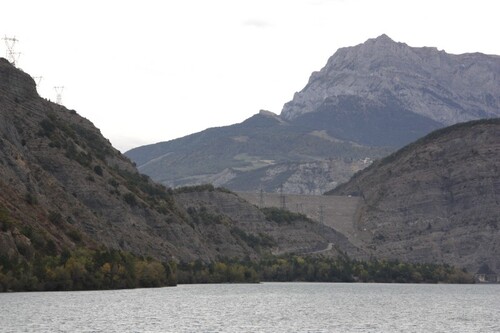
(367, 101)
(64, 187)
(262, 152)
(441, 87)
(437, 199)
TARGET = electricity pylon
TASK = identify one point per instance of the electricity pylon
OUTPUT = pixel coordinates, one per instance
(11, 54)
(59, 91)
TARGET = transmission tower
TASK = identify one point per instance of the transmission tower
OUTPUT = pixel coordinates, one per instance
(37, 80)
(261, 198)
(10, 53)
(282, 198)
(59, 91)
(299, 207)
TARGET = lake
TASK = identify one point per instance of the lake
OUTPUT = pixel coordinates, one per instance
(265, 307)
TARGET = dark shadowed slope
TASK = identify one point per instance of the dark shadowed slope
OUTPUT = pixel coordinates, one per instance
(437, 199)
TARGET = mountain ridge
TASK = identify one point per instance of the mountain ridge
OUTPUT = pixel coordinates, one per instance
(367, 101)
(259, 144)
(381, 64)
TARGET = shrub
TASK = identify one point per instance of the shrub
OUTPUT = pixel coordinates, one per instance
(197, 188)
(282, 216)
(31, 199)
(130, 199)
(47, 128)
(75, 235)
(5, 221)
(113, 183)
(252, 240)
(98, 170)
(56, 218)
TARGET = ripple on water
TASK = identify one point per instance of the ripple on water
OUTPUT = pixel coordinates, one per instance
(268, 307)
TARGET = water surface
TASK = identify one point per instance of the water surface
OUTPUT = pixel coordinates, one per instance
(266, 307)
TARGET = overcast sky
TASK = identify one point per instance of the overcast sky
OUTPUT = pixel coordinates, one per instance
(150, 71)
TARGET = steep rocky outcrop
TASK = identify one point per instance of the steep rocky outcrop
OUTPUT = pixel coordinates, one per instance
(64, 186)
(368, 101)
(443, 87)
(437, 199)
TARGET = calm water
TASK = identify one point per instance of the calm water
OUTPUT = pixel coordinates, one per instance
(267, 307)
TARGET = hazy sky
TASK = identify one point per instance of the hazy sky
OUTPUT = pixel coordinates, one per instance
(150, 71)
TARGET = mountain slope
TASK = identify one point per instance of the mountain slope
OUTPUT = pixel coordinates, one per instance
(367, 101)
(64, 187)
(385, 122)
(64, 184)
(261, 144)
(437, 199)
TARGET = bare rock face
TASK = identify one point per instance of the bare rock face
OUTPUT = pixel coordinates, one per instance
(17, 83)
(443, 87)
(436, 199)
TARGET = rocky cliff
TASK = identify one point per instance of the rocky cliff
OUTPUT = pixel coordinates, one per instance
(64, 186)
(443, 87)
(437, 199)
